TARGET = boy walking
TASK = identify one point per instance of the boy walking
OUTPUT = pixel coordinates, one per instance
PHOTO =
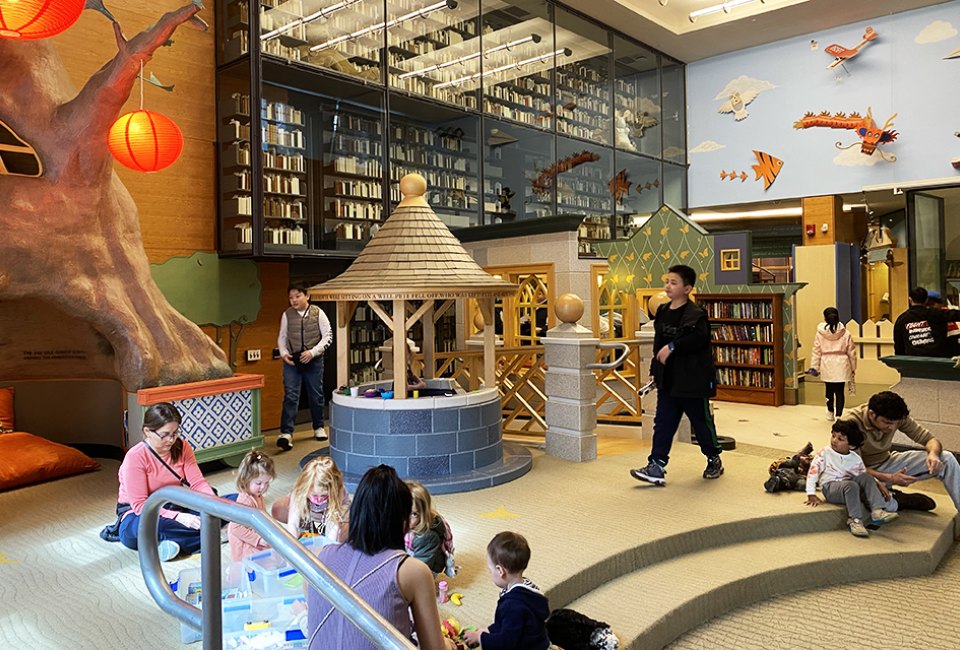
(685, 376)
(520, 622)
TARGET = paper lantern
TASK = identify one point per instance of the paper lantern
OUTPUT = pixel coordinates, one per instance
(145, 141)
(33, 19)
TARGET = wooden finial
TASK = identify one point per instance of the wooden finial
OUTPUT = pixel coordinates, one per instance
(569, 308)
(413, 187)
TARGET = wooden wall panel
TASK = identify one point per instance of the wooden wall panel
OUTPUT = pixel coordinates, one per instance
(177, 205)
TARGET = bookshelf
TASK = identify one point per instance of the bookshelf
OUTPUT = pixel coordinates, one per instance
(747, 342)
(366, 336)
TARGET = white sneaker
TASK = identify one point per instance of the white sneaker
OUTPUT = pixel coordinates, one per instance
(168, 550)
(319, 434)
(830, 416)
(285, 441)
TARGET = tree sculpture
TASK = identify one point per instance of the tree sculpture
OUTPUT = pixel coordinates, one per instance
(71, 238)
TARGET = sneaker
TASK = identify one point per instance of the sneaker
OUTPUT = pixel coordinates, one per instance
(714, 467)
(319, 434)
(881, 517)
(285, 441)
(857, 529)
(168, 550)
(913, 501)
(830, 416)
(652, 473)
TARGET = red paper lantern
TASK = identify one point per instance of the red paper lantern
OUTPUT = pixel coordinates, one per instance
(33, 19)
(145, 141)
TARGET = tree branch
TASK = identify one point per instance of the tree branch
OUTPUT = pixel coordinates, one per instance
(91, 113)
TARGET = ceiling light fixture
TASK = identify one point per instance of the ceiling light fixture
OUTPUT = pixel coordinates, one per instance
(772, 213)
(422, 13)
(533, 38)
(566, 51)
(725, 7)
(316, 15)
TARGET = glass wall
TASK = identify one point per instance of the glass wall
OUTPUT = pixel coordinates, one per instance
(510, 109)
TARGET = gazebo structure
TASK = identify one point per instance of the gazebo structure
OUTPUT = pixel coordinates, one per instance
(450, 443)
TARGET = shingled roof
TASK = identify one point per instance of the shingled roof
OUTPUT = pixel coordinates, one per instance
(413, 256)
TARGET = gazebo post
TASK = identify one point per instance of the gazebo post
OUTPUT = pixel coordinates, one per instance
(399, 349)
(345, 311)
(429, 342)
(489, 342)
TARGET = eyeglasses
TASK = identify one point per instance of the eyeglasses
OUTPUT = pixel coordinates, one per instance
(166, 436)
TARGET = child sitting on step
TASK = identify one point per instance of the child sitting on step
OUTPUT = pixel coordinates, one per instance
(843, 479)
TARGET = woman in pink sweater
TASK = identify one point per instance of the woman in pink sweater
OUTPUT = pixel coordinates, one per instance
(162, 459)
(834, 360)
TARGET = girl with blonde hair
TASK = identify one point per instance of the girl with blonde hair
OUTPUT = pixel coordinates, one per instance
(429, 538)
(318, 504)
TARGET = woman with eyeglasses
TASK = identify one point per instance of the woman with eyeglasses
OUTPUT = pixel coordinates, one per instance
(162, 459)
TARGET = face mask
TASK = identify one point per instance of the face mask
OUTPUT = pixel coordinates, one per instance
(317, 500)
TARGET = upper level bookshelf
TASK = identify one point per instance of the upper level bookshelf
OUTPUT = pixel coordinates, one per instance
(747, 342)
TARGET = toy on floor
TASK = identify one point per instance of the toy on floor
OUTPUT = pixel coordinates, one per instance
(790, 472)
(451, 629)
(571, 630)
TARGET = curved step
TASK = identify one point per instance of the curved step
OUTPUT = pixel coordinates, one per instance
(651, 607)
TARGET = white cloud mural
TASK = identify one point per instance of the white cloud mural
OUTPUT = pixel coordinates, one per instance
(938, 30)
(853, 158)
(707, 146)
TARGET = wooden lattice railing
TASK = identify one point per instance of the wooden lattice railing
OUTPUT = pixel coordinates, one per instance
(521, 380)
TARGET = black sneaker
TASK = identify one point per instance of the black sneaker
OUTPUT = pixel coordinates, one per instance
(652, 473)
(913, 501)
(714, 467)
(285, 441)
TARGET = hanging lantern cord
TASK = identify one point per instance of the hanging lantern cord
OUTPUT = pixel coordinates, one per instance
(141, 84)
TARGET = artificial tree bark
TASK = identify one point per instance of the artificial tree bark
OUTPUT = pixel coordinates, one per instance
(72, 236)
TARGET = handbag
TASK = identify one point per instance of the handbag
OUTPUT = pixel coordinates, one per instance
(111, 532)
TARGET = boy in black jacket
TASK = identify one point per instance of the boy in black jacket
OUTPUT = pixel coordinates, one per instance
(685, 376)
(520, 622)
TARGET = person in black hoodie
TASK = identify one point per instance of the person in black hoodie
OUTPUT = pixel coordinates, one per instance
(921, 331)
(520, 622)
(685, 376)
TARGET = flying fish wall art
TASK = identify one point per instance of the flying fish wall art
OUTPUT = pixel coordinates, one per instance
(768, 168)
(739, 93)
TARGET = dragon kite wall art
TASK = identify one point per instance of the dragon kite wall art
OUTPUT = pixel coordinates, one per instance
(870, 135)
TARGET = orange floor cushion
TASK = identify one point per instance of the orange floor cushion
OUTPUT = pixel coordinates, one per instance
(26, 458)
(6, 409)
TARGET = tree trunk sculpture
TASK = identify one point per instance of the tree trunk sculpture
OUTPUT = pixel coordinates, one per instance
(72, 237)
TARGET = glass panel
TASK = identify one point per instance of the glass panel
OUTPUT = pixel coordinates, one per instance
(582, 174)
(927, 241)
(440, 144)
(236, 181)
(583, 91)
(513, 157)
(674, 113)
(353, 169)
(342, 35)
(638, 183)
(233, 25)
(675, 186)
(636, 89)
(518, 60)
(286, 120)
(437, 52)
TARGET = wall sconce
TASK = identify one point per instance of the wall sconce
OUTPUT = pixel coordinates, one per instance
(824, 228)
(811, 230)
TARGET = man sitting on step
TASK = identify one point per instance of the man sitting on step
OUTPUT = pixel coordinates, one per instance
(878, 420)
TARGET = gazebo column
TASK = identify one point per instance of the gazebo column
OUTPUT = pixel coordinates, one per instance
(399, 349)
(345, 310)
(489, 342)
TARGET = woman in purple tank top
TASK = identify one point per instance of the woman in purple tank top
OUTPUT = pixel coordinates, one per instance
(373, 562)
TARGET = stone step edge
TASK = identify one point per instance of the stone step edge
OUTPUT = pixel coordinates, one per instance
(815, 570)
(628, 560)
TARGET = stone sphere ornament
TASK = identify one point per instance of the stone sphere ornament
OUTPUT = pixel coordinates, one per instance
(569, 308)
(655, 301)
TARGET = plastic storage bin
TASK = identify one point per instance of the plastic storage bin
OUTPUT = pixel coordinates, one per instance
(234, 587)
(270, 574)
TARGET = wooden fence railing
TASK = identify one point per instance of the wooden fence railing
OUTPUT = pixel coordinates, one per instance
(874, 340)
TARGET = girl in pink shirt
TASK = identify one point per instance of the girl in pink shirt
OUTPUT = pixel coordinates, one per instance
(253, 480)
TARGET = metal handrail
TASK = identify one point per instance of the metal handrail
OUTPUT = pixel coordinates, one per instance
(209, 619)
(624, 351)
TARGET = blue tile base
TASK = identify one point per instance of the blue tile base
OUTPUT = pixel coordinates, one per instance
(517, 461)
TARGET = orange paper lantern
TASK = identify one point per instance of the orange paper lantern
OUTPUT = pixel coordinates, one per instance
(145, 141)
(33, 19)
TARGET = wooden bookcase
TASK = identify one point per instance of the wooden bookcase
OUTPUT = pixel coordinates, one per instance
(747, 341)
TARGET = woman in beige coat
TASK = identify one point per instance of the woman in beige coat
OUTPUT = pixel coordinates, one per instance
(834, 360)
